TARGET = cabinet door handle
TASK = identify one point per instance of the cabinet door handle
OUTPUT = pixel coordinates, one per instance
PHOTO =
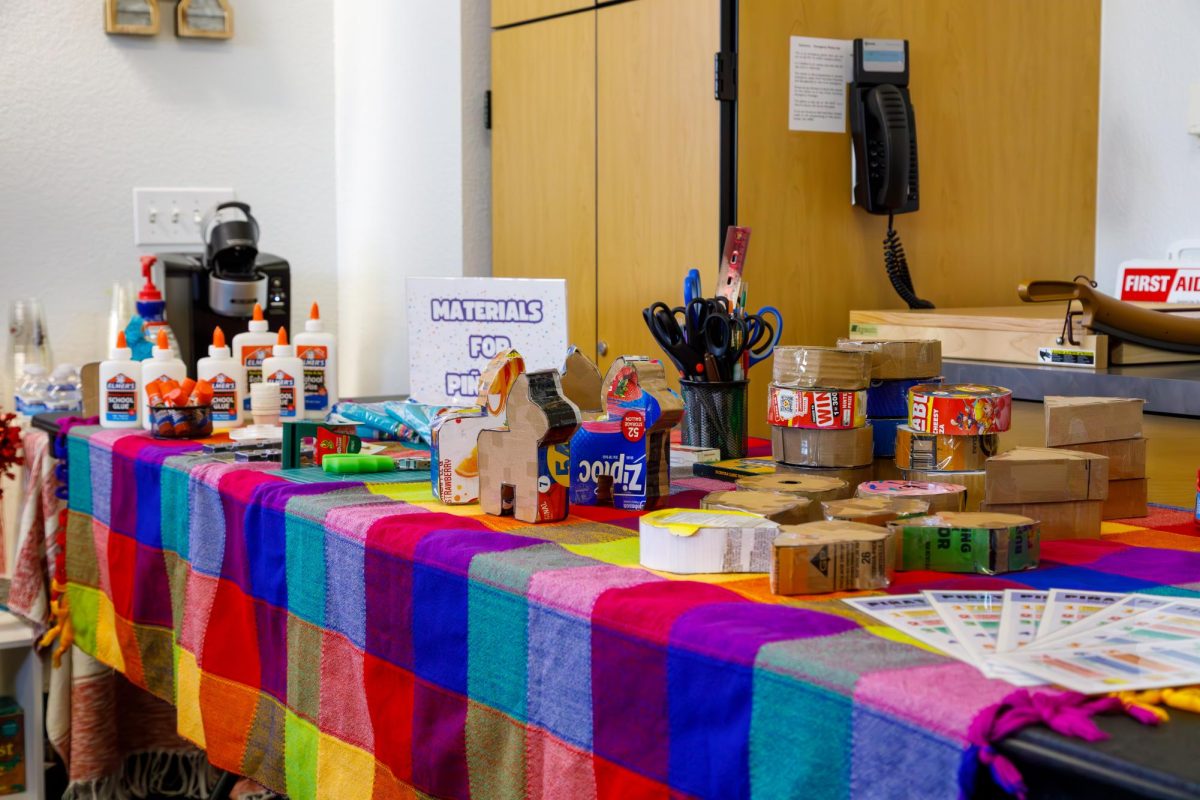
(602, 348)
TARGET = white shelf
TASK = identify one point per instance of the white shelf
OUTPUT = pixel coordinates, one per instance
(21, 678)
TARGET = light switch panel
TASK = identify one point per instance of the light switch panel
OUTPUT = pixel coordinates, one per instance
(173, 216)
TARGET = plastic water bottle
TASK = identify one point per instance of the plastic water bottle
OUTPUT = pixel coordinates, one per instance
(64, 392)
(32, 391)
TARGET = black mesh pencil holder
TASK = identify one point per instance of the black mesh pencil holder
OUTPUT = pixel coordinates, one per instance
(714, 415)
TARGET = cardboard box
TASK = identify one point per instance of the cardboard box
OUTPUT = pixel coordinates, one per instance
(821, 368)
(583, 384)
(814, 487)
(973, 481)
(1126, 457)
(1126, 498)
(1075, 519)
(786, 509)
(852, 476)
(803, 447)
(827, 556)
(896, 359)
(688, 541)
(1072, 420)
(874, 510)
(1045, 475)
(985, 543)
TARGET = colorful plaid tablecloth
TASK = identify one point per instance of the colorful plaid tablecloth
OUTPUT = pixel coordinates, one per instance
(350, 641)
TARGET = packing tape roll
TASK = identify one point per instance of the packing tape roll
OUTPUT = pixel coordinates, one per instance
(832, 556)
(959, 409)
(688, 541)
(814, 487)
(873, 510)
(889, 398)
(983, 542)
(852, 476)
(940, 496)
(933, 451)
(781, 507)
(805, 447)
(821, 367)
(893, 359)
(820, 409)
(883, 440)
(973, 480)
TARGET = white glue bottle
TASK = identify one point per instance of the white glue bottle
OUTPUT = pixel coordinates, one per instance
(251, 349)
(162, 365)
(286, 370)
(228, 379)
(318, 350)
(120, 395)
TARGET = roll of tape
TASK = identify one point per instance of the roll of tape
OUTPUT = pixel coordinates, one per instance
(852, 476)
(829, 556)
(890, 398)
(973, 480)
(940, 496)
(959, 409)
(781, 507)
(806, 447)
(883, 438)
(983, 542)
(875, 510)
(814, 487)
(933, 451)
(821, 367)
(899, 358)
(789, 407)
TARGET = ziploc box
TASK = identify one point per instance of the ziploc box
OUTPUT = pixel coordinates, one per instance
(454, 434)
(624, 458)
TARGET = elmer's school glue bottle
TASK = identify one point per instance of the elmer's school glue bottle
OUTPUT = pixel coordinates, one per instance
(227, 377)
(252, 348)
(163, 365)
(120, 395)
(318, 350)
(285, 369)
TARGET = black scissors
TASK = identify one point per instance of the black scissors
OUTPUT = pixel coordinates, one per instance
(685, 350)
(725, 338)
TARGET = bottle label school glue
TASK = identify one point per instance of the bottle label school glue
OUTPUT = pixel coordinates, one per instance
(224, 398)
(315, 357)
(287, 371)
(120, 399)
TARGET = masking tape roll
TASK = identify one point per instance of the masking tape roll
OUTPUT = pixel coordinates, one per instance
(940, 496)
(822, 409)
(821, 367)
(959, 409)
(814, 487)
(806, 447)
(932, 451)
(893, 359)
(832, 556)
(983, 542)
(973, 480)
(873, 510)
(781, 507)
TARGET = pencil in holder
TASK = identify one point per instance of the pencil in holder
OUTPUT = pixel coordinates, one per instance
(714, 415)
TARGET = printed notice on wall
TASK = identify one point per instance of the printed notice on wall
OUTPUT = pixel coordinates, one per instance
(821, 68)
(455, 325)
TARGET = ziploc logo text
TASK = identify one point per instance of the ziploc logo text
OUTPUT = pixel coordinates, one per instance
(626, 472)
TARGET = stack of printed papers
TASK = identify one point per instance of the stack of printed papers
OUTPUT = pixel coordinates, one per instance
(1090, 642)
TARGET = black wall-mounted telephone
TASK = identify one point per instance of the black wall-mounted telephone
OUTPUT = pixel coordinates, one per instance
(884, 134)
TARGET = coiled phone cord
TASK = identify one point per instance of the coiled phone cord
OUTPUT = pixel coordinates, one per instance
(897, 269)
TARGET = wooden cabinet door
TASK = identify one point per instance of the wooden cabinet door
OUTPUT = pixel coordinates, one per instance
(544, 160)
(658, 162)
(510, 12)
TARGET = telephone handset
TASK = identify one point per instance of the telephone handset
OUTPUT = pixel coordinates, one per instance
(884, 135)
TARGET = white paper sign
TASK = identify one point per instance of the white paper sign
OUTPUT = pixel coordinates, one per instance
(456, 324)
(820, 70)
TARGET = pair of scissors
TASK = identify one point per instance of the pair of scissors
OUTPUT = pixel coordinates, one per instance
(725, 339)
(663, 322)
(761, 335)
(691, 286)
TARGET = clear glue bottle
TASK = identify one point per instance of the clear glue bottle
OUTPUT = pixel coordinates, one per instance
(120, 395)
(163, 365)
(286, 370)
(318, 350)
(252, 348)
(228, 379)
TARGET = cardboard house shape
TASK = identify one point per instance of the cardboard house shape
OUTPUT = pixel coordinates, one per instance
(583, 384)
(624, 458)
(524, 468)
(454, 454)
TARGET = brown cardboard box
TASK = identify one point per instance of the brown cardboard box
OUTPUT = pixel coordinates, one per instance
(1045, 475)
(1071, 420)
(1074, 519)
(1126, 457)
(898, 359)
(1126, 498)
(583, 385)
(821, 368)
(807, 447)
(832, 556)
(853, 476)
(781, 507)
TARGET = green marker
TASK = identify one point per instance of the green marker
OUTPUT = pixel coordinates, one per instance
(355, 464)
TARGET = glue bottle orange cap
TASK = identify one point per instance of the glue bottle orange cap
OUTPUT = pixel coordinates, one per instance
(315, 311)
(163, 342)
(282, 349)
(282, 337)
(121, 342)
(314, 324)
(258, 315)
(218, 337)
(258, 323)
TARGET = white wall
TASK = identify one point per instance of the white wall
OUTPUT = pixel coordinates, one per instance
(409, 138)
(85, 117)
(1148, 188)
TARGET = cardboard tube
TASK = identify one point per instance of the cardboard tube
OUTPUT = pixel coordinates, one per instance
(814, 487)
(873, 510)
(898, 359)
(959, 409)
(940, 496)
(822, 448)
(832, 557)
(790, 407)
(931, 451)
(821, 367)
(983, 542)
(781, 507)
(973, 481)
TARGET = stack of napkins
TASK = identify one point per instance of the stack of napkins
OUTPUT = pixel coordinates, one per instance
(1090, 642)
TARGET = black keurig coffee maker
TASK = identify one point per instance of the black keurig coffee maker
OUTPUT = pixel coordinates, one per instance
(222, 286)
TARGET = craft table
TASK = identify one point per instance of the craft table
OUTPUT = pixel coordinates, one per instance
(356, 640)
